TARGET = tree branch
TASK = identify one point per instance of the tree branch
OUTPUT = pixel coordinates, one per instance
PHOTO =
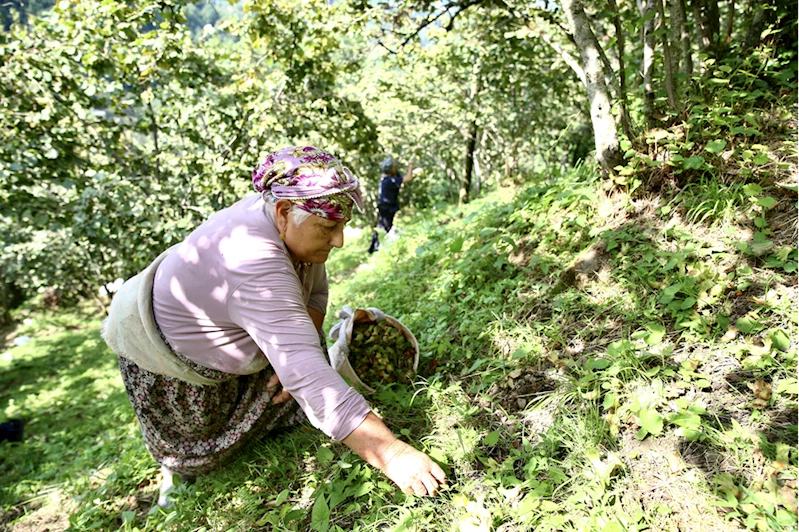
(462, 6)
(566, 56)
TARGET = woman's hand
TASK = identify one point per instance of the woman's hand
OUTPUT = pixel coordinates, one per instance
(413, 471)
(271, 387)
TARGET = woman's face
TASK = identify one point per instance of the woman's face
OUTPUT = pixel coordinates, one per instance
(312, 240)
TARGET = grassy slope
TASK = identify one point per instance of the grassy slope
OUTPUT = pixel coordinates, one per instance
(581, 369)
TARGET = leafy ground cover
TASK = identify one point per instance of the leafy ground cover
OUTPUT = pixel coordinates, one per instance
(589, 361)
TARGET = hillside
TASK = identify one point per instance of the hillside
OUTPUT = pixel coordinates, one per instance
(589, 361)
(597, 252)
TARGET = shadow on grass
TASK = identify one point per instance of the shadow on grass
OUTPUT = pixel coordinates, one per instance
(67, 388)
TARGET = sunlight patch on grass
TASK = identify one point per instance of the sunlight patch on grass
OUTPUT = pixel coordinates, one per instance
(514, 341)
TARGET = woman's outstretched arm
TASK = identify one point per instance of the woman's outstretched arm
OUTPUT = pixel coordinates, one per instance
(413, 471)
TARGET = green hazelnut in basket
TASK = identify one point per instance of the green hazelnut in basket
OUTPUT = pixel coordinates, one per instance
(380, 353)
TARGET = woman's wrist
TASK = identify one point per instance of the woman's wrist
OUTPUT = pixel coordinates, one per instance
(373, 441)
(389, 453)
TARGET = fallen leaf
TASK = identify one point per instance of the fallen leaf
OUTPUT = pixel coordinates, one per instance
(762, 392)
(788, 499)
(730, 335)
(675, 462)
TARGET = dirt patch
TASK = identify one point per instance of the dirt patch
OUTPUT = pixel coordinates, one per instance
(783, 219)
(666, 486)
(46, 519)
(583, 269)
(49, 517)
(519, 389)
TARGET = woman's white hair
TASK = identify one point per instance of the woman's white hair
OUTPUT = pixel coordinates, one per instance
(297, 215)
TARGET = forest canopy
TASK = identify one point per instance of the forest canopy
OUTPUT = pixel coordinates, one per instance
(126, 124)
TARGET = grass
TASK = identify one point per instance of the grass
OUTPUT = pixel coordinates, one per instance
(588, 362)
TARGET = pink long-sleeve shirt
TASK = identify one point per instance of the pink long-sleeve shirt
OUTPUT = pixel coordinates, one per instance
(229, 298)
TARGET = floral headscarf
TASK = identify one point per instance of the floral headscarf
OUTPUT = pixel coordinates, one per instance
(313, 180)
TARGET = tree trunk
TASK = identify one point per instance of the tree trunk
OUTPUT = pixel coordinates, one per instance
(453, 180)
(478, 173)
(606, 138)
(466, 184)
(706, 18)
(681, 19)
(756, 26)
(674, 34)
(730, 21)
(602, 39)
(668, 65)
(512, 159)
(624, 114)
(471, 135)
(648, 65)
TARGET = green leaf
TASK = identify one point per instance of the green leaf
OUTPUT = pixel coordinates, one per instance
(438, 455)
(456, 245)
(651, 421)
(655, 327)
(702, 384)
(780, 340)
(655, 334)
(753, 189)
(293, 515)
(691, 421)
(716, 146)
(767, 202)
(597, 363)
(520, 353)
(747, 324)
(742, 130)
(694, 162)
(320, 514)
(668, 293)
(609, 401)
(528, 504)
(475, 365)
(491, 438)
(789, 386)
(281, 497)
(691, 434)
(760, 158)
(550, 506)
(688, 302)
(363, 489)
(613, 526)
(324, 455)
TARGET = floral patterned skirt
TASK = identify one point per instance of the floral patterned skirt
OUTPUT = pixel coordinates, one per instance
(194, 429)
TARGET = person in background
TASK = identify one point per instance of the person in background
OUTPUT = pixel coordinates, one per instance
(12, 430)
(207, 334)
(388, 197)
